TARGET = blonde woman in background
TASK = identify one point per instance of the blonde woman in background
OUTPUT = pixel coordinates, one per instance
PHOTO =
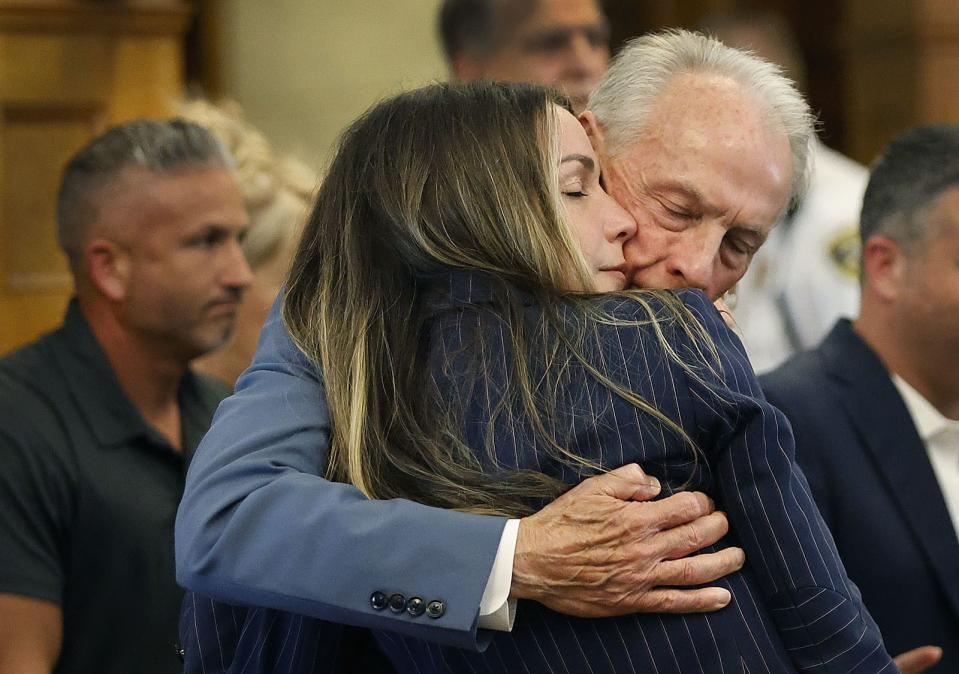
(277, 191)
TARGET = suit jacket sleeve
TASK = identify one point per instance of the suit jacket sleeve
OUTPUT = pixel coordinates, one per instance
(817, 609)
(259, 525)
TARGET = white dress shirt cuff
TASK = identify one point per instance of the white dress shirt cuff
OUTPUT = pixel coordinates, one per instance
(497, 610)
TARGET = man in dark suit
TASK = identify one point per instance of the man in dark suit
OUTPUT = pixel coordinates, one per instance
(875, 407)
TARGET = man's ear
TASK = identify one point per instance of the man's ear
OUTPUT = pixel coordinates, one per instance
(594, 131)
(883, 267)
(108, 266)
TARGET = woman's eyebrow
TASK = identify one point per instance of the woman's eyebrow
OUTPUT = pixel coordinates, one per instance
(587, 162)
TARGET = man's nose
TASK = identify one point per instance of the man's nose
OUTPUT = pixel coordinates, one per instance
(586, 60)
(236, 270)
(691, 265)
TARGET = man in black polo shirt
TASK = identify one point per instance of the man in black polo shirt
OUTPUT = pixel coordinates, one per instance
(99, 417)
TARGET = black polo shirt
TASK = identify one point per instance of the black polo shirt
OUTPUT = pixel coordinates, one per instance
(88, 495)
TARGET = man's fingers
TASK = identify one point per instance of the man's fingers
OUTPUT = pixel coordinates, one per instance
(669, 600)
(690, 538)
(918, 659)
(679, 509)
(700, 569)
(626, 483)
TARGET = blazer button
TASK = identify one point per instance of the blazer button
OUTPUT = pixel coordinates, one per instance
(415, 607)
(435, 609)
(397, 603)
(378, 600)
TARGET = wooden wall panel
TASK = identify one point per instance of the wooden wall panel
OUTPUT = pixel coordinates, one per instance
(68, 69)
(33, 141)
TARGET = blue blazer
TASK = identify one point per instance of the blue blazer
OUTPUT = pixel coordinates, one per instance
(794, 608)
(871, 475)
(258, 524)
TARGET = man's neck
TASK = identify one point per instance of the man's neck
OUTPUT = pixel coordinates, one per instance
(929, 377)
(150, 378)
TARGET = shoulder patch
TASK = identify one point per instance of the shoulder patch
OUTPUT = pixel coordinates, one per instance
(844, 252)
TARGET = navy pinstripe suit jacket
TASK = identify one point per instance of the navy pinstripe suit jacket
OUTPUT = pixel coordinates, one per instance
(794, 608)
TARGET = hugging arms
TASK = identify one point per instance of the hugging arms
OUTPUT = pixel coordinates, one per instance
(375, 284)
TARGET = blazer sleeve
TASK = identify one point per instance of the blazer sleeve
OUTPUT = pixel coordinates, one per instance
(817, 609)
(259, 525)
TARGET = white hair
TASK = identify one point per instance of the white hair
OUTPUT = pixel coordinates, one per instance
(646, 65)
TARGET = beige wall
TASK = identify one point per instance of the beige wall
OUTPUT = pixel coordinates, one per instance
(303, 69)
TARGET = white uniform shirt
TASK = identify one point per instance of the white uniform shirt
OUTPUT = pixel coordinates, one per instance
(806, 275)
(941, 437)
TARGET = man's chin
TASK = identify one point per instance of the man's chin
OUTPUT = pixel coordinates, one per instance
(212, 340)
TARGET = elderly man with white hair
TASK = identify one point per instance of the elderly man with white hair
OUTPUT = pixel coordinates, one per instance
(705, 146)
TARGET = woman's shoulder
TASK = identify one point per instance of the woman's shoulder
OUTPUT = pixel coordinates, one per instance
(643, 305)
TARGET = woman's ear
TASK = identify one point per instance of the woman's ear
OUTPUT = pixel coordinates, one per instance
(108, 265)
(594, 131)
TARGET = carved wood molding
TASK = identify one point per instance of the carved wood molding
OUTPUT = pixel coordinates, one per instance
(152, 17)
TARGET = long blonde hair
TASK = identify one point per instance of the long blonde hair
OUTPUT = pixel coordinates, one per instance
(447, 177)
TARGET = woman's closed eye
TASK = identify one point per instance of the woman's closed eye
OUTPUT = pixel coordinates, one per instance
(574, 187)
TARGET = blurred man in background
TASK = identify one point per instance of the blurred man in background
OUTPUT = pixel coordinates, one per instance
(875, 407)
(99, 418)
(561, 43)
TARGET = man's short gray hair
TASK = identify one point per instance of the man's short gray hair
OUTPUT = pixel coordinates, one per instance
(910, 175)
(647, 65)
(161, 147)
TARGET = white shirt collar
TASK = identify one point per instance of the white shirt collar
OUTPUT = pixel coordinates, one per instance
(928, 420)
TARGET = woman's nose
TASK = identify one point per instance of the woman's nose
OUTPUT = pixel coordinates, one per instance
(620, 225)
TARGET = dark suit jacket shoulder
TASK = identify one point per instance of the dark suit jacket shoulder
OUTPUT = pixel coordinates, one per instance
(872, 478)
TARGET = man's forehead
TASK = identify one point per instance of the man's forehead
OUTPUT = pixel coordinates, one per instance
(747, 199)
(705, 108)
(142, 195)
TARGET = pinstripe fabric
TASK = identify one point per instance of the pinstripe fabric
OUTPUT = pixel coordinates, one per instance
(219, 638)
(793, 608)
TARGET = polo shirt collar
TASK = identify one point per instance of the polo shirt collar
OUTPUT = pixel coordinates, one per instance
(113, 418)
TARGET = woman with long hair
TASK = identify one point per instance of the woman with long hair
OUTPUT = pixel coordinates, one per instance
(460, 285)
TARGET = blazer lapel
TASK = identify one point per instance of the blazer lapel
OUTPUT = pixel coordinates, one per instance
(882, 420)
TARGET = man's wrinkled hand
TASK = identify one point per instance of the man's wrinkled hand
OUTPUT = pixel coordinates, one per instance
(601, 550)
